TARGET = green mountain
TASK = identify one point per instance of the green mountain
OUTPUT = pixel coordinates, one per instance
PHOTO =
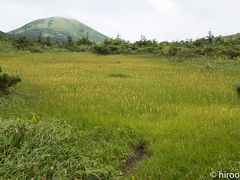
(3, 35)
(58, 29)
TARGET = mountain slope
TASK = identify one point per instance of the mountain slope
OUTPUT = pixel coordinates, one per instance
(58, 29)
(3, 35)
(231, 37)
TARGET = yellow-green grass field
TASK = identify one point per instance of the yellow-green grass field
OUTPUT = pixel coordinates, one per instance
(83, 116)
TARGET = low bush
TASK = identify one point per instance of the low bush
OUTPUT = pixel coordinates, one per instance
(7, 81)
(232, 53)
(238, 90)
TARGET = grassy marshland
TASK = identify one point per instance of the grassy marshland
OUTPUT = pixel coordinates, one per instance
(84, 116)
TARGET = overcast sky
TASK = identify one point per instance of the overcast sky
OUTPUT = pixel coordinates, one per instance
(156, 19)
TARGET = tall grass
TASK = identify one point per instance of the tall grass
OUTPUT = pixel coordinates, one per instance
(56, 149)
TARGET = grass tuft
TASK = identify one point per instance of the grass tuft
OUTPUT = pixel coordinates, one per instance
(119, 75)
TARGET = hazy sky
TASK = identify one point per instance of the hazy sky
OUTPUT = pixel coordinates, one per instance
(159, 19)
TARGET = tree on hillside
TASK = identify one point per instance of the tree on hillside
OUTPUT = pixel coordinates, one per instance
(200, 43)
(118, 36)
(210, 37)
(48, 41)
(70, 42)
(40, 39)
(218, 40)
(22, 43)
(84, 41)
(143, 38)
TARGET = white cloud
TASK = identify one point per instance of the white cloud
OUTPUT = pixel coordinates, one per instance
(163, 7)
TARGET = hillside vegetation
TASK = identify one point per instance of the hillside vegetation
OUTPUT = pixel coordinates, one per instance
(232, 37)
(106, 117)
(58, 29)
(209, 47)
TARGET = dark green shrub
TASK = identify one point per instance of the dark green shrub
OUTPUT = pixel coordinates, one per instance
(101, 49)
(232, 53)
(22, 43)
(208, 51)
(7, 81)
(48, 41)
(172, 51)
(112, 46)
(119, 75)
(238, 90)
(84, 41)
(36, 49)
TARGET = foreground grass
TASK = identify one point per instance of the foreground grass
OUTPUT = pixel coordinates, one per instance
(57, 149)
(87, 112)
